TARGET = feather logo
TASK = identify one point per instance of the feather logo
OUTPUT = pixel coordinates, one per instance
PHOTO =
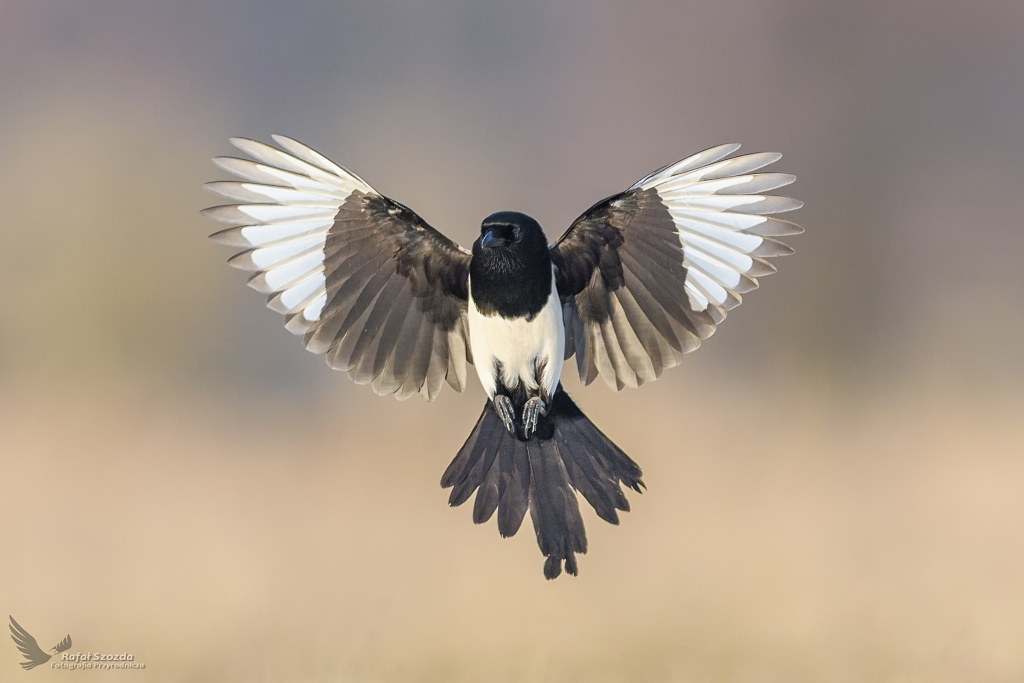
(28, 646)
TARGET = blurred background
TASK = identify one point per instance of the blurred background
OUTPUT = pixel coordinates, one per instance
(835, 479)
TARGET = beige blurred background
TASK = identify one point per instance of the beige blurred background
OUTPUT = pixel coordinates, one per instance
(835, 480)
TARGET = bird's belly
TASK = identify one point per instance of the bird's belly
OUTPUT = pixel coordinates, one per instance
(530, 352)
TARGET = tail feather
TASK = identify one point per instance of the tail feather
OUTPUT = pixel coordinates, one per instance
(554, 509)
(514, 487)
(597, 466)
(473, 462)
(487, 495)
(542, 474)
(603, 495)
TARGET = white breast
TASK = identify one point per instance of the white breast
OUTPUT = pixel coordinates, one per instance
(519, 345)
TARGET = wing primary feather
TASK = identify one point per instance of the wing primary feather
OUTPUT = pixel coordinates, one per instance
(708, 156)
(313, 157)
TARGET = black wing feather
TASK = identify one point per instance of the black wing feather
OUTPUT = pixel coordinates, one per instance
(406, 253)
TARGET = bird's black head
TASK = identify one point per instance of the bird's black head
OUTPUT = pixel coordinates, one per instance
(513, 231)
(511, 267)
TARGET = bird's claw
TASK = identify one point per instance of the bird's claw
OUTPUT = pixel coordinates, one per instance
(503, 407)
(532, 411)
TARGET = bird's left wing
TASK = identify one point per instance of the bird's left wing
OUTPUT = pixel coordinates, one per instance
(362, 278)
(28, 646)
(647, 274)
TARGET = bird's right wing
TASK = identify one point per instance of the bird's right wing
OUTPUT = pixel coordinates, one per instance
(362, 278)
(28, 646)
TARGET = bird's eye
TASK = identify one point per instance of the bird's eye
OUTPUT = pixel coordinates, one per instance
(517, 234)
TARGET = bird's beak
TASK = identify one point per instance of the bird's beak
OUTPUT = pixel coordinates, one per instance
(492, 241)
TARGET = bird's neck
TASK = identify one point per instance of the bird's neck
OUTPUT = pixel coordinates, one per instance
(507, 287)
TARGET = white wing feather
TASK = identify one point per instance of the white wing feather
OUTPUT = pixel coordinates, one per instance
(724, 224)
(295, 195)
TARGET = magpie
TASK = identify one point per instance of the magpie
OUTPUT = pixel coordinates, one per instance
(635, 283)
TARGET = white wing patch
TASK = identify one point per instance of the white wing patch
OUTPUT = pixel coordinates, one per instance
(725, 225)
(293, 197)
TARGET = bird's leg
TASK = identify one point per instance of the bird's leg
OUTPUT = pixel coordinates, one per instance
(532, 411)
(503, 407)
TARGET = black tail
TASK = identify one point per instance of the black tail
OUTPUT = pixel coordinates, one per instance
(542, 474)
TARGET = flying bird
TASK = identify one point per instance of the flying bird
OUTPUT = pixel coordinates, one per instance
(635, 283)
(30, 648)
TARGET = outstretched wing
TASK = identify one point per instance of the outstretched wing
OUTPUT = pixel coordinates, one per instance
(28, 646)
(645, 275)
(64, 645)
(362, 278)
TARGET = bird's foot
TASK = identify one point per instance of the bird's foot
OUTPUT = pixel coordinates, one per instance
(532, 411)
(503, 407)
